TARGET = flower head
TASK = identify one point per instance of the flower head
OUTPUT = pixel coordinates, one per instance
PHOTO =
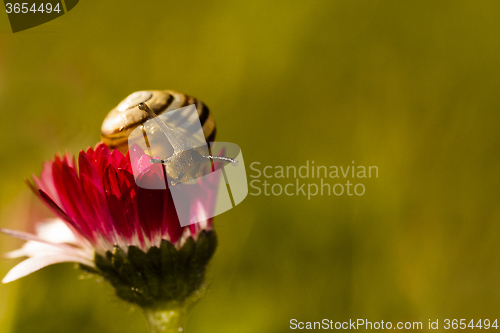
(110, 226)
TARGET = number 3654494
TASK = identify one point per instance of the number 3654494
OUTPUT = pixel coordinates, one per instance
(464, 323)
(25, 8)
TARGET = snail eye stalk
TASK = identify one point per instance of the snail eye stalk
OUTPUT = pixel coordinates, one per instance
(220, 158)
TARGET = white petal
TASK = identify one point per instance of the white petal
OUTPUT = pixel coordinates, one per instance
(33, 264)
(55, 231)
(22, 235)
(29, 237)
(15, 254)
(33, 248)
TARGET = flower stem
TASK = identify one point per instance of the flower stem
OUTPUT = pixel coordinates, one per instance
(166, 320)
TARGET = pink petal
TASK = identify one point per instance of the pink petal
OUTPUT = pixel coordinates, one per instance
(90, 152)
(150, 205)
(129, 199)
(171, 224)
(46, 182)
(102, 158)
(87, 167)
(118, 159)
(95, 209)
(114, 186)
(70, 193)
(59, 212)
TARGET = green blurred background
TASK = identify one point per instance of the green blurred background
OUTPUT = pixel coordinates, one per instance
(411, 87)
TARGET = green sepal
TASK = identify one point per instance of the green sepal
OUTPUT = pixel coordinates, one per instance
(152, 271)
(118, 258)
(162, 275)
(205, 248)
(186, 285)
(169, 268)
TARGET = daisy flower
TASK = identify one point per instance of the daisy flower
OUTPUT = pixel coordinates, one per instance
(128, 234)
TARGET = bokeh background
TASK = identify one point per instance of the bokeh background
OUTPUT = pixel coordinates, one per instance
(411, 87)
